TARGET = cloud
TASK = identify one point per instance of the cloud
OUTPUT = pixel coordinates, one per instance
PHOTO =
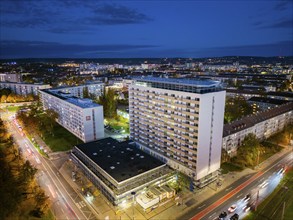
(39, 49)
(282, 5)
(117, 14)
(56, 16)
(285, 23)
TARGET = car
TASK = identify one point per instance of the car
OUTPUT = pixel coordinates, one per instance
(246, 208)
(246, 198)
(281, 171)
(232, 208)
(223, 215)
(264, 184)
(234, 217)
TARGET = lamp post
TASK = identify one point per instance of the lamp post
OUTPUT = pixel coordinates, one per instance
(133, 195)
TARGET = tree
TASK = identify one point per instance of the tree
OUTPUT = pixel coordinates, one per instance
(248, 152)
(3, 98)
(236, 108)
(85, 92)
(109, 103)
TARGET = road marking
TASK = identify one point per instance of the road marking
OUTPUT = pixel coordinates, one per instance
(228, 188)
(212, 215)
(239, 196)
(202, 206)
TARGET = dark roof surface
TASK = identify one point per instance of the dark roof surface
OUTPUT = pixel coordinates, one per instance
(121, 160)
(268, 100)
(251, 120)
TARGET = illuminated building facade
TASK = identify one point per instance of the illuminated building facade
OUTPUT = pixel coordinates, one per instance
(179, 121)
(81, 117)
(23, 88)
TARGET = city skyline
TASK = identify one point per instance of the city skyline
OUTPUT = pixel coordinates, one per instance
(128, 29)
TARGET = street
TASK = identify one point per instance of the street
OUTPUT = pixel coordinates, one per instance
(65, 202)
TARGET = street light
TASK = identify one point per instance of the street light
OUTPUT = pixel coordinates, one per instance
(133, 195)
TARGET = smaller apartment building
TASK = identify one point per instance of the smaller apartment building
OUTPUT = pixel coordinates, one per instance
(23, 88)
(119, 169)
(81, 117)
(263, 125)
(96, 89)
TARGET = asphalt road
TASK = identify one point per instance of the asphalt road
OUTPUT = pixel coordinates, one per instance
(250, 184)
(66, 202)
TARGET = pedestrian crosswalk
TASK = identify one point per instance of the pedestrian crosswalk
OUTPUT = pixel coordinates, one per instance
(80, 204)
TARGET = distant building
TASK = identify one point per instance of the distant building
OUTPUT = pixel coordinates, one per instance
(10, 77)
(95, 88)
(263, 125)
(249, 94)
(179, 121)
(119, 168)
(81, 117)
(261, 103)
(23, 88)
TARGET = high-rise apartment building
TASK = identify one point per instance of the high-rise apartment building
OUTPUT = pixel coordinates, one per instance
(179, 121)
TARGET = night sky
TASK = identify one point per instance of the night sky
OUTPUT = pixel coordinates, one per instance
(127, 29)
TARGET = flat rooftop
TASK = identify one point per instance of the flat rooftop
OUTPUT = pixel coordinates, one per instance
(268, 100)
(121, 160)
(180, 81)
(83, 103)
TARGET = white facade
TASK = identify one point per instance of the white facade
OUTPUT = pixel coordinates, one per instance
(23, 88)
(263, 125)
(77, 91)
(10, 77)
(180, 122)
(81, 117)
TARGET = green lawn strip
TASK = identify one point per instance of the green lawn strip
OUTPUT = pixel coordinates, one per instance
(12, 108)
(119, 123)
(37, 146)
(61, 139)
(230, 167)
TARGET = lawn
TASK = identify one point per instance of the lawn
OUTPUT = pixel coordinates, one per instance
(230, 167)
(118, 123)
(12, 108)
(272, 206)
(61, 139)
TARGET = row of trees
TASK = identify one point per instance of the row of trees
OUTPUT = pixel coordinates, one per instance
(251, 150)
(6, 95)
(37, 121)
(20, 194)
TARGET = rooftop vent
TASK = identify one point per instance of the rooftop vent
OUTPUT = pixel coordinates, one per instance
(112, 167)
